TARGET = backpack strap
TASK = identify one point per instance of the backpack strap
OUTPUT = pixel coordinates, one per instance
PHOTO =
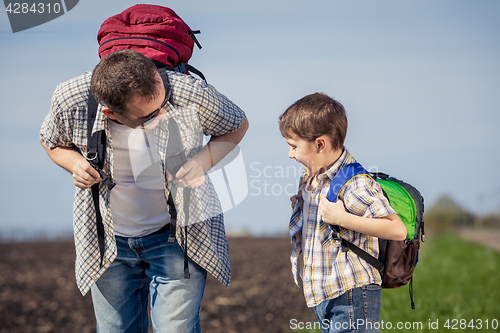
(174, 160)
(96, 146)
(96, 142)
(193, 34)
(194, 70)
(173, 218)
(377, 264)
(181, 68)
(343, 177)
(339, 181)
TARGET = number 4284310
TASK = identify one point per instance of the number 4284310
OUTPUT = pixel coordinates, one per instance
(478, 324)
(35, 8)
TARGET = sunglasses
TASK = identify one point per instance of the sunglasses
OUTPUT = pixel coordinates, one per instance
(151, 117)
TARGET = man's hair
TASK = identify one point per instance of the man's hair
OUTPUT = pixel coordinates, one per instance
(120, 75)
(313, 116)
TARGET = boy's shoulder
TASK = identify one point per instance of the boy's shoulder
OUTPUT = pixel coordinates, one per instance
(339, 166)
(355, 186)
(362, 184)
(362, 195)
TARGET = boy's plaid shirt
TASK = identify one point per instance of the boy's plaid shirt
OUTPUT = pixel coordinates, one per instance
(197, 108)
(328, 272)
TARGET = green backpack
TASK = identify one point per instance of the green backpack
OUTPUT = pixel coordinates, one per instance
(397, 259)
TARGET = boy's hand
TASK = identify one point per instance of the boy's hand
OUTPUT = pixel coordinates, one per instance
(293, 200)
(332, 213)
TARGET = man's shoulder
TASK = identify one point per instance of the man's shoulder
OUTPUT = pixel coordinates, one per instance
(181, 82)
(81, 80)
(73, 91)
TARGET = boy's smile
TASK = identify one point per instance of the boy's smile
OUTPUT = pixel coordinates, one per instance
(314, 155)
(304, 152)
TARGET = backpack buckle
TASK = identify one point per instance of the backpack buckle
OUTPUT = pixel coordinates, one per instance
(94, 154)
(181, 68)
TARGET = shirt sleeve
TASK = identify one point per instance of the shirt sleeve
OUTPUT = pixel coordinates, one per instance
(218, 115)
(364, 197)
(54, 131)
(65, 124)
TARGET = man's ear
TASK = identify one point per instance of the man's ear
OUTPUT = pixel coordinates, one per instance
(108, 113)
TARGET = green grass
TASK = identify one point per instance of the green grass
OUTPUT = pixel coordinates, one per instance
(455, 281)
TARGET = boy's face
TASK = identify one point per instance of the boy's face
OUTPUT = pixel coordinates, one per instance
(304, 152)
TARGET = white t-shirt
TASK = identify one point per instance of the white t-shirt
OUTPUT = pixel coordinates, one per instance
(138, 204)
(306, 197)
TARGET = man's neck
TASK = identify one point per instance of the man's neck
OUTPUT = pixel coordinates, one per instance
(115, 121)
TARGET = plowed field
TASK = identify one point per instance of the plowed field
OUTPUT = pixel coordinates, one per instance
(38, 291)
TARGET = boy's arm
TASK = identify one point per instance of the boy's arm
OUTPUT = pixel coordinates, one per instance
(388, 227)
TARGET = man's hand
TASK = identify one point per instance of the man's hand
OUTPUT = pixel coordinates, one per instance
(332, 213)
(84, 175)
(69, 158)
(191, 174)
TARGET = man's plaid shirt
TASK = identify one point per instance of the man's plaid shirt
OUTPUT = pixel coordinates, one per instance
(328, 272)
(198, 109)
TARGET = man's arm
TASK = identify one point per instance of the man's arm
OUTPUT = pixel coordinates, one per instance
(84, 175)
(192, 174)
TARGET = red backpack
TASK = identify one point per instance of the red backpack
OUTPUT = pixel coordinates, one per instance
(155, 31)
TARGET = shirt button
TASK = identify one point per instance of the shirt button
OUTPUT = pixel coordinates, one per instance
(106, 261)
(93, 277)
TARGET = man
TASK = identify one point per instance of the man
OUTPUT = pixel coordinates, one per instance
(136, 108)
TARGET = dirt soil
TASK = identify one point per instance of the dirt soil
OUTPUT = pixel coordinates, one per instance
(38, 292)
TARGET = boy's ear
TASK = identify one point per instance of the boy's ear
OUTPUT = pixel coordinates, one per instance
(320, 144)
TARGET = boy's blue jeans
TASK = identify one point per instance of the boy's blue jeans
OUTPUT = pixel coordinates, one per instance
(357, 310)
(149, 267)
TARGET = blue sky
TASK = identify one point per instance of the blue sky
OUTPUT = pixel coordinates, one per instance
(419, 80)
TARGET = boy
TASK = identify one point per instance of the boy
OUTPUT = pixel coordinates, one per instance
(343, 289)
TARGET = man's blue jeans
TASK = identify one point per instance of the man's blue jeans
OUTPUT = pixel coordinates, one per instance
(357, 310)
(149, 267)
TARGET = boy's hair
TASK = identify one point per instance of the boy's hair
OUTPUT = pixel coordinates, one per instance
(315, 115)
(120, 75)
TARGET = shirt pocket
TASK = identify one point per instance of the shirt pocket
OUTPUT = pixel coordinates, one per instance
(326, 235)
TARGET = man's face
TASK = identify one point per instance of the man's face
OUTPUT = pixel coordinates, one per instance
(142, 109)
